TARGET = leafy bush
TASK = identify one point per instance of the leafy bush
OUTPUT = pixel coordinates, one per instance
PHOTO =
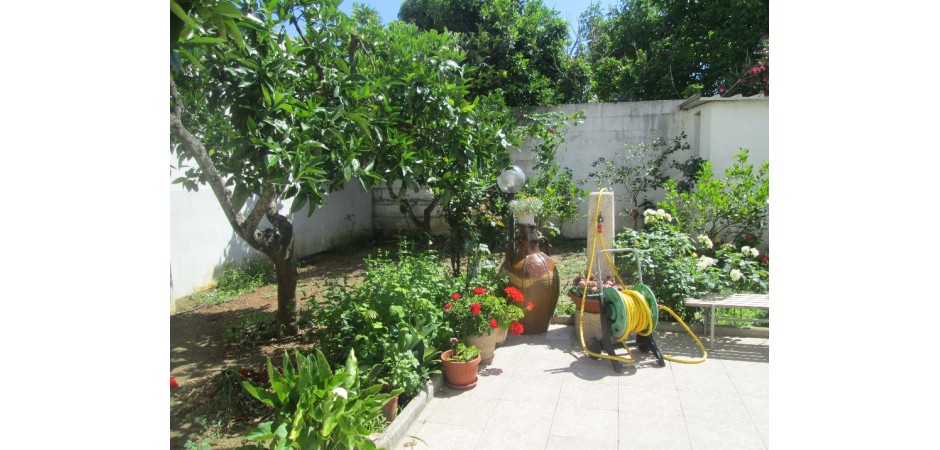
(316, 407)
(674, 270)
(667, 265)
(391, 317)
(725, 210)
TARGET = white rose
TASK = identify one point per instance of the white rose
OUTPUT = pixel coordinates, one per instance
(755, 252)
(340, 392)
(736, 274)
(745, 249)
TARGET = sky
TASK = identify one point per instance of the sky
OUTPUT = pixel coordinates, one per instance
(569, 10)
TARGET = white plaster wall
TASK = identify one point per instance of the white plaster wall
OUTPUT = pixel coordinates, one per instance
(724, 126)
(728, 126)
(202, 242)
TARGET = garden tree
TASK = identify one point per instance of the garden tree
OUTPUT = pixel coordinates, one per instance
(551, 183)
(517, 47)
(434, 137)
(667, 49)
(642, 169)
(269, 118)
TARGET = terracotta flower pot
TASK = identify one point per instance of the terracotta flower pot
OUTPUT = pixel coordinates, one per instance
(593, 305)
(390, 410)
(460, 375)
(486, 343)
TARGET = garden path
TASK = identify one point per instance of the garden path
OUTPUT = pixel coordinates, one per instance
(543, 392)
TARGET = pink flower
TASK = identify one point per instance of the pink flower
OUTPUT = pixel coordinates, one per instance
(493, 323)
(475, 308)
(455, 296)
(479, 291)
(721, 90)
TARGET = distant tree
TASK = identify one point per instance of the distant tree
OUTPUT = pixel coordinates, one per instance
(667, 49)
(517, 47)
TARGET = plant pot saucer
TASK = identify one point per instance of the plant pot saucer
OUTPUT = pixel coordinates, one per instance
(463, 387)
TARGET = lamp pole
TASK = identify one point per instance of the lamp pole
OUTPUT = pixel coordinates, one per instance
(511, 182)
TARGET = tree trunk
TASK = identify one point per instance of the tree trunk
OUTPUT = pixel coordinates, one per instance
(277, 242)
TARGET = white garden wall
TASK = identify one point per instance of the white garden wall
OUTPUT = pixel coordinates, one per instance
(202, 242)
(716, 129)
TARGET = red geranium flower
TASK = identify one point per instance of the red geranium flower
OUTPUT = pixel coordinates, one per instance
(530, 306)
(513, 293)
(493, 323)
(455, 296)
(765, 260)
(475, 308)
(173, 383)
(448, 305)
(479, 291)
(516, 328)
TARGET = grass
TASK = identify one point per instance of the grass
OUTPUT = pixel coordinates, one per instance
(236, 280)
(251, 328)
(742, 314)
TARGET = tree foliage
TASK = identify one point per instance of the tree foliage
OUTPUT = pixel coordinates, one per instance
(517, 47)
(667, 49)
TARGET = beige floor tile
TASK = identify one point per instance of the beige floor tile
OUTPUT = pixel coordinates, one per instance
(599, 424)
(517, 424)
(539, 387)
(758, 409)
(580, 394)
(583, 442)
(462, 409)
(649, 378)
(723, 433)
(659, 402)
(598, 371)
(437, 436)
(712, 406)
(646, 430)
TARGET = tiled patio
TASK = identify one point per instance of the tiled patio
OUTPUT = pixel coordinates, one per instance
(543, 392)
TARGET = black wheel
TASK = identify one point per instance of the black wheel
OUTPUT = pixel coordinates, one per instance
(594, 346)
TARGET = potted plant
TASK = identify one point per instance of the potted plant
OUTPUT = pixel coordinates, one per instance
(460, 365)
(476, 318)
(590, 288)
(524, 209)
(594, 287)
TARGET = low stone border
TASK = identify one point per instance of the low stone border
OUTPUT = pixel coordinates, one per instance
(756, 332)
(397, 429)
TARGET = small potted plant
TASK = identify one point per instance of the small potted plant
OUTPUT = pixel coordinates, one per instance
(524, 209)
(594, 287)
(474, 318)
(460, 365)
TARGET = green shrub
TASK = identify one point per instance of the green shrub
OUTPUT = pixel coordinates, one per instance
(392, 317)
(316, 407)
(726, 210)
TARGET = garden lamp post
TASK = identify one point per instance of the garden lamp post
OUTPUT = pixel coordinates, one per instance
(511, 182)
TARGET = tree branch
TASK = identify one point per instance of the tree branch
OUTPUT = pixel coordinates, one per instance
(192, 146)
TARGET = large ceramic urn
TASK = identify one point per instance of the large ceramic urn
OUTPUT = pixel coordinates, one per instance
(533, 273)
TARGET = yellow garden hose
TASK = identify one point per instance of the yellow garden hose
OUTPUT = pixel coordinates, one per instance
(639, 316)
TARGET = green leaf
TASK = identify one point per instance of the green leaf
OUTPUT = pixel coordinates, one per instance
(261, 433)
(177, 10)
(204, 40)
(228, 9)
